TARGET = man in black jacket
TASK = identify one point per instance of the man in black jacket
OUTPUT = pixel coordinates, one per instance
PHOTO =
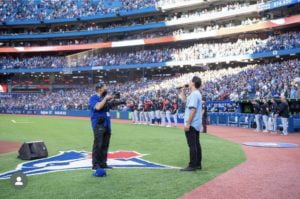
(264, 111)
(284, 112)
(256, 110)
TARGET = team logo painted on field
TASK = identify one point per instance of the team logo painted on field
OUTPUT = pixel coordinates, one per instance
(75, 160)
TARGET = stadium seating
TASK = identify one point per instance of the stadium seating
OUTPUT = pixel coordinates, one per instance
(46, 9)
(218, 85)
(193, 52)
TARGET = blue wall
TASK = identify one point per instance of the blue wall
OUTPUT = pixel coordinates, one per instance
(246, 120)
(221, 119)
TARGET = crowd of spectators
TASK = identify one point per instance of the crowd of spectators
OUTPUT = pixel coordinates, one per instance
(131, 22)
(208, 13)
(146, 20)
(194, 52)
(58, 100)
(142, 35)
(240, 47)
(64, 28)
(239, 83)
(11, 10)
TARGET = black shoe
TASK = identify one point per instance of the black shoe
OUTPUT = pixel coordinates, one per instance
(106, 167)
(95, 167)
(189, 169)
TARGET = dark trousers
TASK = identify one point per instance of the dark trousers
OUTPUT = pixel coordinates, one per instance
(204, 124)
(100, 146)
(192, 137)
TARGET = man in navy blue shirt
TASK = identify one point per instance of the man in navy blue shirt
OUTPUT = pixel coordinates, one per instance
(100, 120)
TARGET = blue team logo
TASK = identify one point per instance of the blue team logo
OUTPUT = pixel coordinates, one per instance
(75, 160)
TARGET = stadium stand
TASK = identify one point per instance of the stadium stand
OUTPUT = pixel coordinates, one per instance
(258, 81)
(192, 52)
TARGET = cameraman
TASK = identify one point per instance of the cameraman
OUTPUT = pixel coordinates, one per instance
(101, 125)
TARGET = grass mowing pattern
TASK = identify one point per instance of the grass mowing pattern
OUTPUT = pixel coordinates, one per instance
(164, 145)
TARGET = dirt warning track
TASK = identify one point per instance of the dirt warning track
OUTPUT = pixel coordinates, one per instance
(9, 146)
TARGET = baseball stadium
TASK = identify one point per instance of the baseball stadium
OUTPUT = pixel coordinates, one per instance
(150, 99)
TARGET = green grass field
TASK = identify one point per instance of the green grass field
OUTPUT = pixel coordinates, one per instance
(164, 145)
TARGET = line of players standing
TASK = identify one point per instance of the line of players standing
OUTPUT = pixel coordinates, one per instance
(266, 115)
(155, 112)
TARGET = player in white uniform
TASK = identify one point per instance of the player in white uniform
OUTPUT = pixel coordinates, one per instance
(141, 112)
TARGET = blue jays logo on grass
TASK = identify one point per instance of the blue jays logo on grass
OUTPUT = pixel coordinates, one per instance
(74, 160)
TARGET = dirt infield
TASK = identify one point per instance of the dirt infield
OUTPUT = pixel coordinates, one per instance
(9, 146)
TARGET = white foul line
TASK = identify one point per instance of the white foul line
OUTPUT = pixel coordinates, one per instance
(21, 122)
